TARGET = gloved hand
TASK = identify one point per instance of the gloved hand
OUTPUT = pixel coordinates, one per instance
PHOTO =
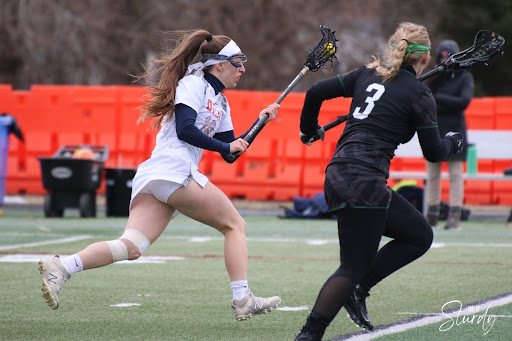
(457, 141)
(309, 139)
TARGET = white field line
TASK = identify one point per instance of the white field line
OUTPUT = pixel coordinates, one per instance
(454, 319)
(34, 258)
(299, 308)
(480, 244)
(47, 242)
(125, 305)
(151, 260)
(202, 239)
(432, 314)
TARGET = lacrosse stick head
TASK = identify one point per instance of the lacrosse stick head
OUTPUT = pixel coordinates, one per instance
(324, 51)
(487, 44)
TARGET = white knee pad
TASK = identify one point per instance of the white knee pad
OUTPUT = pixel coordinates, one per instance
(137, 238)
(118, 249)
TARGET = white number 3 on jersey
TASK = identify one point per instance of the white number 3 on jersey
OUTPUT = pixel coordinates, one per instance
(370, 100)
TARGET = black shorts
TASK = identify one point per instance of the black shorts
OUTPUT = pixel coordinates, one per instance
(355, 185)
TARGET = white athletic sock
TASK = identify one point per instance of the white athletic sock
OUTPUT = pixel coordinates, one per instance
(72, 263)
(239, 288)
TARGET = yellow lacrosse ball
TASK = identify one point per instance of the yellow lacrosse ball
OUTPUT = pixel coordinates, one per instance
(329, 49)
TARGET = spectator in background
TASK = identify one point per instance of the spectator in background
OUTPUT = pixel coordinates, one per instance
(452, 90)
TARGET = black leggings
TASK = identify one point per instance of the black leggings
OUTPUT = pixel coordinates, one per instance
(360, 231)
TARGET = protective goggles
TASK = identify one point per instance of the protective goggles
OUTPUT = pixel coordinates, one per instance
(237, 60)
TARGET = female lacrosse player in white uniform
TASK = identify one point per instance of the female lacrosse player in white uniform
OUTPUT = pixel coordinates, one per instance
(193, 115)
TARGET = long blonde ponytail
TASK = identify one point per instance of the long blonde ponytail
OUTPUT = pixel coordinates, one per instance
(396, 53)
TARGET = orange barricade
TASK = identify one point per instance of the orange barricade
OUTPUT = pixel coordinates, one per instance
(277, 166)
(503, 113)
(480, 114)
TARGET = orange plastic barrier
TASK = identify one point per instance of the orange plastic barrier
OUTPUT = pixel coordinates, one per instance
(277, 166)
(481, 113)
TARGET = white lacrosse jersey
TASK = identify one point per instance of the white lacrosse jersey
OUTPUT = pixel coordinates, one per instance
(173, 159)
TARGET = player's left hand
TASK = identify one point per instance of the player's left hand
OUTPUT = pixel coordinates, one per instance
(457, 141)
(271, 111)
(308, 140)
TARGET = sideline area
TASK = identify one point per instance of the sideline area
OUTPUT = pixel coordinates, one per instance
(251, 207)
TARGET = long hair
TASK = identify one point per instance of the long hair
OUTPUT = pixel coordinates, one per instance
(395, 54)
(171, 68)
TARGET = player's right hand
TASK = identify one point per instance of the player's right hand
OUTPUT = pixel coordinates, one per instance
(238, 146)
(271, 111)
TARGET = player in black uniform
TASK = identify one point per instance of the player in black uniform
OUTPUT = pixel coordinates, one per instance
(389, 106)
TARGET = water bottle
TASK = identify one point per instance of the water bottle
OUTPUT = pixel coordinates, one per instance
(472, 160)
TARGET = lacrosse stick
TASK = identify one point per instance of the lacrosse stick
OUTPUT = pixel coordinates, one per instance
(487, 44)
(320, 55)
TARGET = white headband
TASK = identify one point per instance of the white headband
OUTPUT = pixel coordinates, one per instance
(230, 49)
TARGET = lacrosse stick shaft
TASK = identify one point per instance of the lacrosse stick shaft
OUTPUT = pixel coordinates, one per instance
(432, 72)
(259, 125)
(292, 85)
(251, 135)
(339, 120)
(336, 122)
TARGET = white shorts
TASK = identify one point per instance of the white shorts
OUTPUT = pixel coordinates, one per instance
(162, 189)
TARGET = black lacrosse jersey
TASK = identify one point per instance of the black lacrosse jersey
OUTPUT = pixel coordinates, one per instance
(382, 115)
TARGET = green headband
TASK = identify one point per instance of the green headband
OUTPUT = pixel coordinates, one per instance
(415, 48)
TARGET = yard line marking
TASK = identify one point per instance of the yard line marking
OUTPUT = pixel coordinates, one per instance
(317, 241)
(48, 242)
(151, 260)
(34, 258)
(507, 316)
(463, 263)
(202, 239)
(22, 258)
(324, 241)
(480, 244)
(434, 314)
(159, 259)
(299, 308)
(30, 234)
(124, 305)
(421, 321)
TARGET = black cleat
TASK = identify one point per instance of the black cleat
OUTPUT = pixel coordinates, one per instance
(356, 308)
(307, 334)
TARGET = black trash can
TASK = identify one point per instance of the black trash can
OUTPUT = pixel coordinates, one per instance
(72, 181)
(118, 190)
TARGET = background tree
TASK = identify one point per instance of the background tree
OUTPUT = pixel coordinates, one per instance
(461, 19)
(98, 42)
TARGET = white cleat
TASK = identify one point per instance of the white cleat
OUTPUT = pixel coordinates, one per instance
(54, 275)
(250, 305)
